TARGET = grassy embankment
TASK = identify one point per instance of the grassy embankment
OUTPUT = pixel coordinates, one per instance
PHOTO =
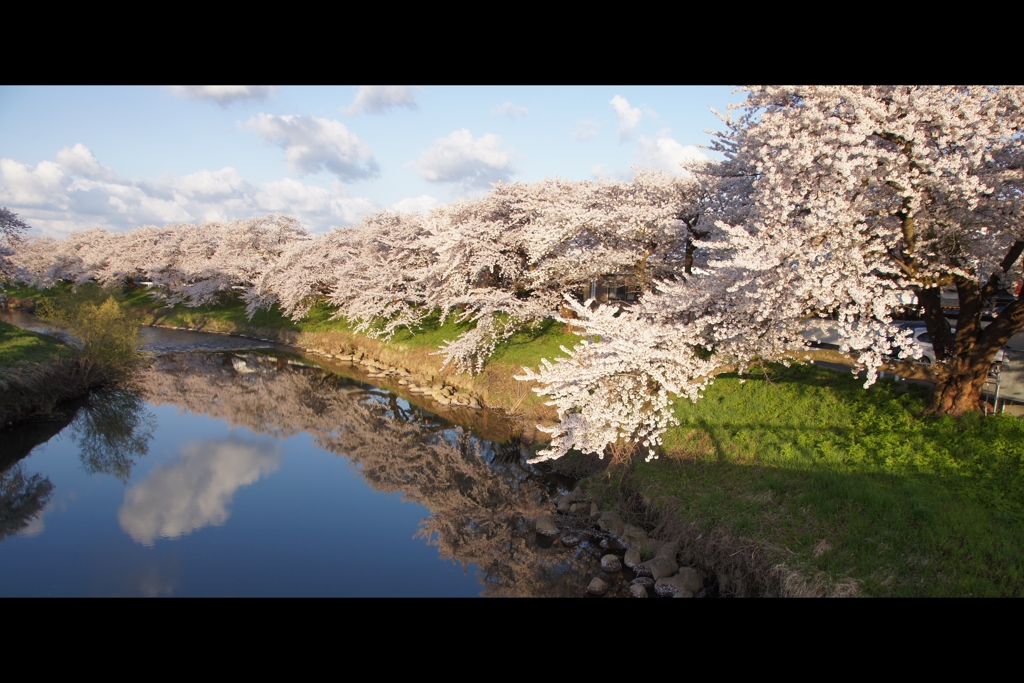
(39, 372)
(495, 385)
(798, 481)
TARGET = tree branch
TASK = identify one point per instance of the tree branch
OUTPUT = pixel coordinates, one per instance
(1016, 249)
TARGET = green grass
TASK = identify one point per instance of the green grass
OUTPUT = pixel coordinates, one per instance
(22, 346)
(802, 458)
(527, 347)
(227, 314)
(430, 335)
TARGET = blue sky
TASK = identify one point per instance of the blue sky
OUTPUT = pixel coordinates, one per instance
(73, 158)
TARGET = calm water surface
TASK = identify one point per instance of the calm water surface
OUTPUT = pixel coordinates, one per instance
(252, 473)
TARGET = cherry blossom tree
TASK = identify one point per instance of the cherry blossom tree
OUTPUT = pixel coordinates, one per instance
(190, 263)
(879, 192)
(858, 197)
(12, 229)
(498, 262)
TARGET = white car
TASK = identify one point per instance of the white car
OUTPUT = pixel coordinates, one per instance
(924, 340)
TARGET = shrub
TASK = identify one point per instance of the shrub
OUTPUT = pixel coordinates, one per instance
(108, 340)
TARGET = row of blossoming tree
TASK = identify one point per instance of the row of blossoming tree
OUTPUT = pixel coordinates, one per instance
(829, 201)
(499, 262)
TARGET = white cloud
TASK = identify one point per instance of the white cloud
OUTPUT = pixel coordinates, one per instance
(586, 129)
(77, 193)
(223, 94)
(311, 144)
(666, 154)
(79, 160)
(375, 99)
(597, 171)
(422, 204)
(195, 491)
(628, 116)
(461, 158)
(510, 110)
(27, 186)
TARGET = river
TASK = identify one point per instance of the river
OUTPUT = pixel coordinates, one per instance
(238, 468)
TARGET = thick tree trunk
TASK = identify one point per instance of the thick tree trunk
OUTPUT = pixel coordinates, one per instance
(968, 354)
(960, 392)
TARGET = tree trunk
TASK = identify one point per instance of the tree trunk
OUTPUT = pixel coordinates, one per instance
(975, 348)
(960, 392)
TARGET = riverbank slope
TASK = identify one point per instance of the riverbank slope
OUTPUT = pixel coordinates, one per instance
(37, 373)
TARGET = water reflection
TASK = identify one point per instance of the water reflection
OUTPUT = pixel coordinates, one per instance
(481, 495)
(195, 491)
(22, 499)
(112, 430)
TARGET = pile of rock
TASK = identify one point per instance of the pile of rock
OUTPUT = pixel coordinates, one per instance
(446, 395)
(621, 548)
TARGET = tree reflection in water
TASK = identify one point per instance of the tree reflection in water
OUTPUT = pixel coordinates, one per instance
(22, 499)
(113, 430)
(481, 495)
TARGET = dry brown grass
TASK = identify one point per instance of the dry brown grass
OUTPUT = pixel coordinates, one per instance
(35, 391)
(695, 446)
(620, 454)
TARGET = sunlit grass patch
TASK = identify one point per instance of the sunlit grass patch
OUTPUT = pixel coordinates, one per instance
(22, 346)
(528, 346)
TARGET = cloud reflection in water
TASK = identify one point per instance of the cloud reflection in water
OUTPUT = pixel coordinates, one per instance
(195, 491)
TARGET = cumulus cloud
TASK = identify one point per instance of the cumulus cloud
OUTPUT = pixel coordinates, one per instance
(75, 192)
(376, 99)
(79, 160)
(422, 204)
(597, 171)
(27, 186)
(586, 129)
(510, 110)
(195, 491)
(628, 116)
(223, 94)
(311, 144)
(461, 158)
(666, 154)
